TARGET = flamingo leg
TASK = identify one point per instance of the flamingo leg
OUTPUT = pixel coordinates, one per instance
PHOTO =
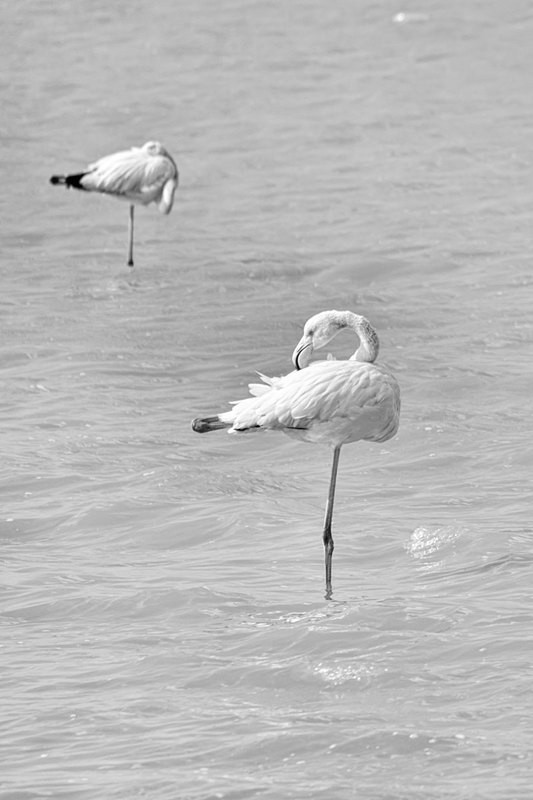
(130, 245)
(327, 537)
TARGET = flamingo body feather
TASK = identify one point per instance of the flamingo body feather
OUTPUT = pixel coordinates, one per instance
(334, 402)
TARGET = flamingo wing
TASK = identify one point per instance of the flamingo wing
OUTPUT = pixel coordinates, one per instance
(325, 391)
(346, 394)
(135, 175)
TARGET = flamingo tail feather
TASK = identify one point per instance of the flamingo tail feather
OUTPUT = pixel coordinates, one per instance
(205, 424)
(70, 181)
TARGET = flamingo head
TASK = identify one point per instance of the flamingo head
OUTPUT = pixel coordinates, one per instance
(323, 327)
(154, 149)
(319, 330)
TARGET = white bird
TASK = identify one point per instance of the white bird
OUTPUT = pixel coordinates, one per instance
(143, 175)
(331, 402)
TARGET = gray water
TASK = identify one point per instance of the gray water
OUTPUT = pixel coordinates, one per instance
(164, 631)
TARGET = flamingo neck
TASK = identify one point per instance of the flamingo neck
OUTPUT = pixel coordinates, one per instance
(368, 339)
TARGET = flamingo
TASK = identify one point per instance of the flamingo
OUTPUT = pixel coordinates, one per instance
(143, 175)
(330, 402)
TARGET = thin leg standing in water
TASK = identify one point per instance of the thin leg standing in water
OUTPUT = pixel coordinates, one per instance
(327, 537)
(130, 248)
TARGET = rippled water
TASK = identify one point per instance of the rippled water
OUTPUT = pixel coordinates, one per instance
(164, 627)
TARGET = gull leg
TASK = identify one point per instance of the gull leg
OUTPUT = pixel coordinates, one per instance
(327, 537)
(130, 246)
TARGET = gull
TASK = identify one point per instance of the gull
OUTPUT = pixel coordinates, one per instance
(143, 175)
(330, 402)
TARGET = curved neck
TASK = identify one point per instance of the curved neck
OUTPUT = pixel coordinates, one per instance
(368, 339)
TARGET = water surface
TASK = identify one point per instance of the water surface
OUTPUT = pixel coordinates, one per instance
(164, 627)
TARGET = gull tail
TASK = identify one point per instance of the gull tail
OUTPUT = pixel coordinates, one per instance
(205, 424)
(74, 181)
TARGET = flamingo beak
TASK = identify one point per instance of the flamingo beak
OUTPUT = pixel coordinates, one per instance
(302, 353)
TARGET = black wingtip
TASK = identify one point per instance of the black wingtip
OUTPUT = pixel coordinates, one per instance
(69, 181)
(203, 425)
